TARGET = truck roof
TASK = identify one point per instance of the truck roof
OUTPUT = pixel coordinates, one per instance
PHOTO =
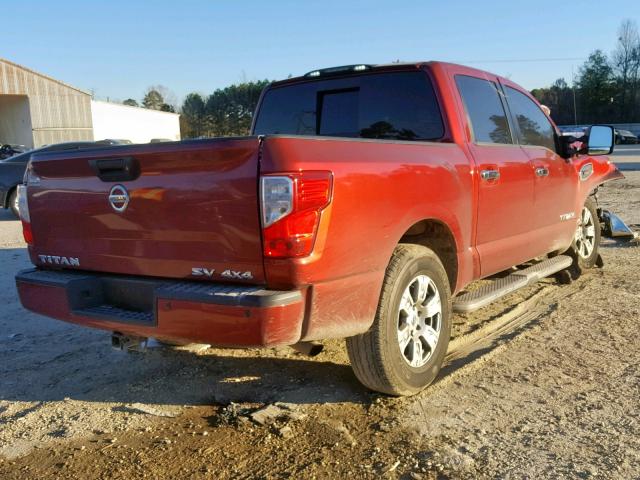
(356, 69)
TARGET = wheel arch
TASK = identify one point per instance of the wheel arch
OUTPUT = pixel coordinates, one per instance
(437, 236)
(7, 197)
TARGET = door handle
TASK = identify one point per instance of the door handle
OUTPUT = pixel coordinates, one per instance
(490, 174)
(542, 171)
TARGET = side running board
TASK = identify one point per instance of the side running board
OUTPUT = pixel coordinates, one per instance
(483, 296)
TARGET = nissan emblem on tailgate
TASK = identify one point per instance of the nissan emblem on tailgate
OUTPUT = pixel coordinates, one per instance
(119, 198)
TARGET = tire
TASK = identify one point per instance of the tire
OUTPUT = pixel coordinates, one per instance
(377, 356)
(13, 202)
(586, 242)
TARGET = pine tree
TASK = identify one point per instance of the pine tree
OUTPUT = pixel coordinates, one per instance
(153, 100)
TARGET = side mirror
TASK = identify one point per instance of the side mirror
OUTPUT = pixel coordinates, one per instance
(601, 140)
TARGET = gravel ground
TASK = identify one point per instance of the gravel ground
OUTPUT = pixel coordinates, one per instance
(543, 384)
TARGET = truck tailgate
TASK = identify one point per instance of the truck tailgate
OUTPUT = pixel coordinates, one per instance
(192, 210)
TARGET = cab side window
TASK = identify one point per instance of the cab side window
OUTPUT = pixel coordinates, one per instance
(533, 125)
(485, 110)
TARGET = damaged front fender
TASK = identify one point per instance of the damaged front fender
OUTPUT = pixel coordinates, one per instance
(593, 172)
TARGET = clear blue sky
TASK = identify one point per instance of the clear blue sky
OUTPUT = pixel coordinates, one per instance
(119, 48)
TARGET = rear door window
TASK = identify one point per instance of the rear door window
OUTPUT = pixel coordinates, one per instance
(397, 106)
(485, 110)
(533, 125)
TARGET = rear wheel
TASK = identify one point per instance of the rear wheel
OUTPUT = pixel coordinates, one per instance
(586, 241)
(13, 203)
(404, 349)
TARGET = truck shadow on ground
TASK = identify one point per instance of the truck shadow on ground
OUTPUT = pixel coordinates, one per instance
(42, 359)
(90, 371)
(45, 360)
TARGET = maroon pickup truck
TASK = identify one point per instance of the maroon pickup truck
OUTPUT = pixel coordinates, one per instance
(361, 206)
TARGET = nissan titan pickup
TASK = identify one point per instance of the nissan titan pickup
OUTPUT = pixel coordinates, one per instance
(364, 202)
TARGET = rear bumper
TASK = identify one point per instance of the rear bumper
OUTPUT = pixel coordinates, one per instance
(224, 315)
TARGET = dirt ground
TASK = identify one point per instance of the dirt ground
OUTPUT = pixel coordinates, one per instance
(544, 384)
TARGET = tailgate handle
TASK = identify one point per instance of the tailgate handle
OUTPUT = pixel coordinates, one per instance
(116, 169)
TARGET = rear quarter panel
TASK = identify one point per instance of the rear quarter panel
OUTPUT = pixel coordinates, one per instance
(381, 189)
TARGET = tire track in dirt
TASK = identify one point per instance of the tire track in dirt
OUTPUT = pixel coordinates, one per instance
(472, 349)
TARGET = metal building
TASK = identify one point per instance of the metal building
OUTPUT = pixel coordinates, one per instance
(37, 110)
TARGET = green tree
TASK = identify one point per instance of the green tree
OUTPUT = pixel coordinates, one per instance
(153, 100)
(165, 107)
(226, 112)
(130, 102)
(596, 89)
(193, 117)
(626, 65)
(229, 111)
(559, 98)
(607, 89)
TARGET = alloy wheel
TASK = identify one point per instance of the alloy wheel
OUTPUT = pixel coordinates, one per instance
(419, 321)
(585, 236)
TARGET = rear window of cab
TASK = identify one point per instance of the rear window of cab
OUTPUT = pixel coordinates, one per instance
(392, 105)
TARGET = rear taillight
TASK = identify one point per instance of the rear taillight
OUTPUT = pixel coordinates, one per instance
(23, 210)
(291, 205)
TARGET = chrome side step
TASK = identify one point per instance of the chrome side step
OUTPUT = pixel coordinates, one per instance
(489, 293)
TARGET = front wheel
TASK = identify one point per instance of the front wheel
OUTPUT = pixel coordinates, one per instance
(405, 347)
(586, 241)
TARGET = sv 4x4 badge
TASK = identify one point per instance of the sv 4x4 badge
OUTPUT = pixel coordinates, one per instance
(228, 274)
